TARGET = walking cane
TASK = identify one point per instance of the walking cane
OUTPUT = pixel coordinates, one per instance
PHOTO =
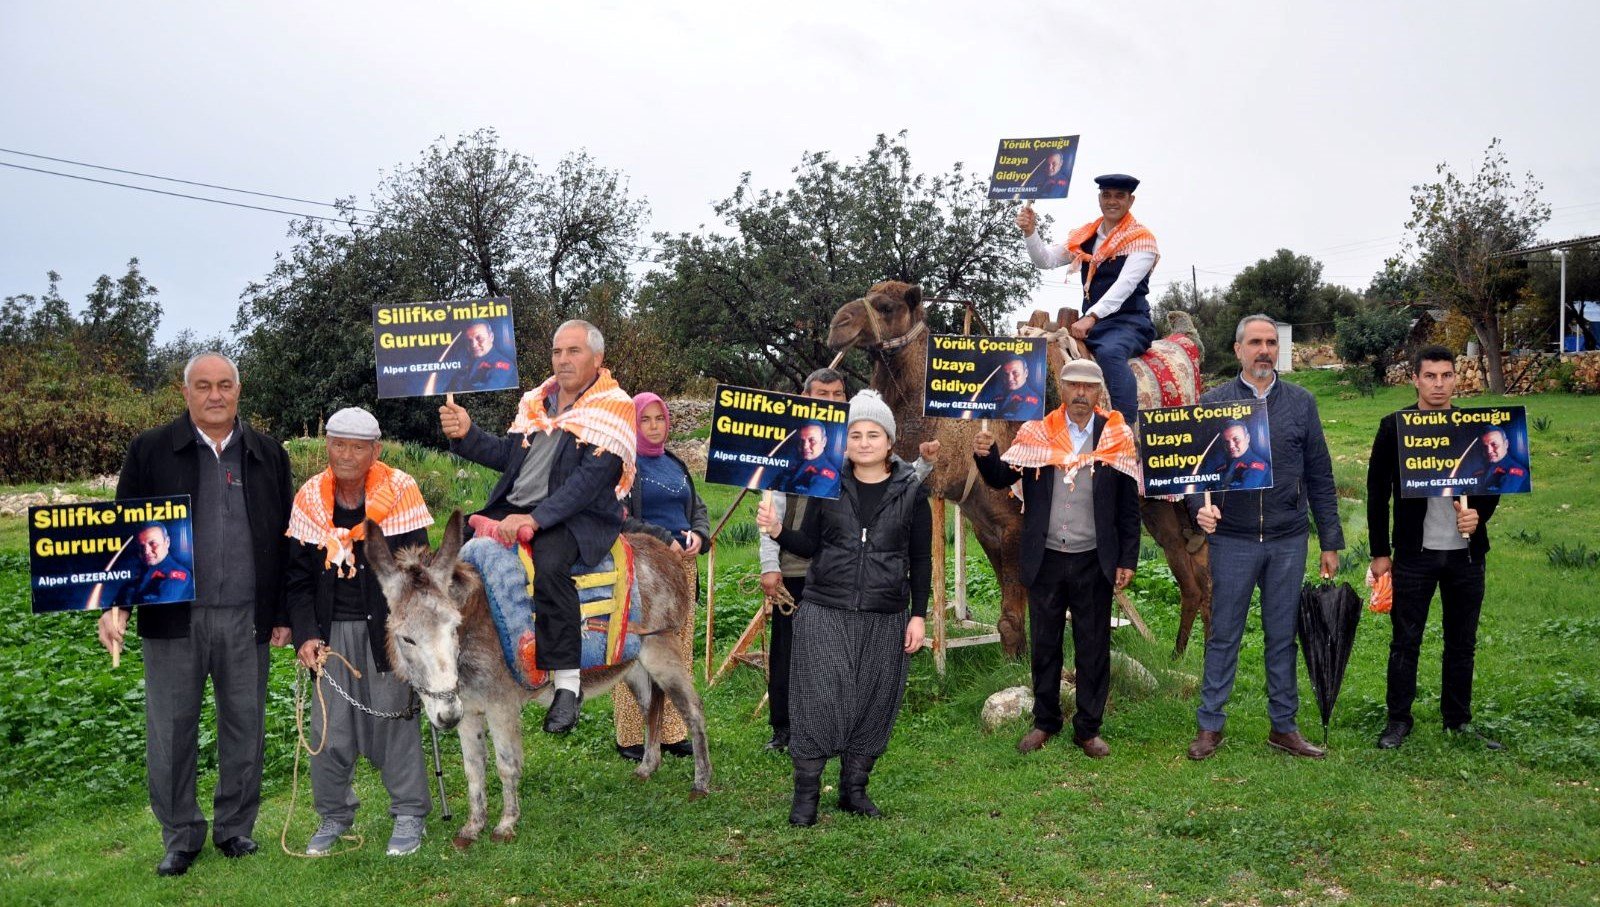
(438, 772)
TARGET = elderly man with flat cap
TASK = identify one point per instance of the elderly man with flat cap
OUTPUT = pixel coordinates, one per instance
(335, 602)
(1080, 541)
(1116, 255)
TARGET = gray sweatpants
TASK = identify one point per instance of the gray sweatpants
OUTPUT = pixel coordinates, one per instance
(221, 645)
(392, 745)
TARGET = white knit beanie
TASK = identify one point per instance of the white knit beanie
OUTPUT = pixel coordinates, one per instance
(868, 405)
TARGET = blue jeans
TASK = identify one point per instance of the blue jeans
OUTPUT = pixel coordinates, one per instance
(1113, 342)
(1238, 567)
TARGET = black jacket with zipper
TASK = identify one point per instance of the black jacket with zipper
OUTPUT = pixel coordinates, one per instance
(864, 564)
(1383, 483)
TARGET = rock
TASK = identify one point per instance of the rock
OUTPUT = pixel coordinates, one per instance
(1005, 706)
(1130, 676)
(693, 455)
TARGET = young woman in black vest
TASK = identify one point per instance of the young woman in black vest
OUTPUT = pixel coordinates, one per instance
(861, 615)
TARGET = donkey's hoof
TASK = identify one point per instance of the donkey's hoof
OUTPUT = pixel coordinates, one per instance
(502, 837)
(698, 794)
(641, 775)
(461, 843)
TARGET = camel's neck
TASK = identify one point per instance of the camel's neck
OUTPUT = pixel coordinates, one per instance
(898, 376)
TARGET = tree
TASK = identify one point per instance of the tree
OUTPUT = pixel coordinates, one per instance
(468, 219)
(1284, 286)
(119, 322)
(753, 305)
(1370, 339)
(28, 319)
(1456, 228)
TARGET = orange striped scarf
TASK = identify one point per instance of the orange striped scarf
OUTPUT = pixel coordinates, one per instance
(1128, 236)
(603, 418)
(1048, 442)
(394, 502)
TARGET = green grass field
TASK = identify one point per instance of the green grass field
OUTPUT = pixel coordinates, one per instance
(1439, 822)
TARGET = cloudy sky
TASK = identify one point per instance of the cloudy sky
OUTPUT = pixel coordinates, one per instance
(1254, 126)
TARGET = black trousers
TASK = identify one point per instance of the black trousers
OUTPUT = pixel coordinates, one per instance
(1070, 583)
(780, 645)
(1459, 579)
(557, 619)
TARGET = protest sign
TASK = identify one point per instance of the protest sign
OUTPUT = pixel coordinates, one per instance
(1033, 168)
(425, 348)
(1463, 451)
(93, 555)
(1203, 447)
(783, 442)
(985, 377)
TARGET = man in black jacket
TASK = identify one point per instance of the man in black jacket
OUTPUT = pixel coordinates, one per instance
(1258, 540)
(1080, 541)
(562, 488)
(335, 601)
(238, 482)
(1436, 542)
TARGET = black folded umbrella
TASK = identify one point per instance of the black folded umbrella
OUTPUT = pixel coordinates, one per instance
(1327, 630)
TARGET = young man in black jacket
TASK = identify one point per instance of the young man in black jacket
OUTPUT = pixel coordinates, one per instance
(1436, 541)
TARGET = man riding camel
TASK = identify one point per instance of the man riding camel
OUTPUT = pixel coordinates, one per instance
(1116, 254)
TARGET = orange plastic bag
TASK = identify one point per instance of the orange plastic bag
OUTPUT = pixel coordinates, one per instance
(1382, 592)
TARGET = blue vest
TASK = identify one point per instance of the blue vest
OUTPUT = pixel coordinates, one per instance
(1137, 302)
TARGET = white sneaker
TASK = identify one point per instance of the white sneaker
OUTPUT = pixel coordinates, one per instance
(329, 831)
(407, 837)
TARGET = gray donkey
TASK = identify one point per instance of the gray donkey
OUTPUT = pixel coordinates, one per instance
(442, 641)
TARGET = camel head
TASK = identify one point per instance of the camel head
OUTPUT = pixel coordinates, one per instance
(890, 310)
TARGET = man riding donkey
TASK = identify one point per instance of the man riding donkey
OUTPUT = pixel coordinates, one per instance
(567, 458)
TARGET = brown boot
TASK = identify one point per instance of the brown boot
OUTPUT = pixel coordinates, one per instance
(1033, 740)
(1295, 745)
(1095, 747)
(1205, 743)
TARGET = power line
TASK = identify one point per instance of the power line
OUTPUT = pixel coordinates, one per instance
(173, 179)
(198, 198)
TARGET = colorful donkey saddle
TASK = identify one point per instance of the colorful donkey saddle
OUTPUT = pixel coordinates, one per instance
(606, 593)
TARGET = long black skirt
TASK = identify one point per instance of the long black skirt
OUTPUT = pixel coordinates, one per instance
(847, 679)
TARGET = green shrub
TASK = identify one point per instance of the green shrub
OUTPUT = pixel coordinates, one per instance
(63, 419)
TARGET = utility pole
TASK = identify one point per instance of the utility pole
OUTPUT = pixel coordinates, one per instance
(1194, 286)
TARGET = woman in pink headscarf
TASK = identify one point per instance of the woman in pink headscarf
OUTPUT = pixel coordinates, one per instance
(663, 503)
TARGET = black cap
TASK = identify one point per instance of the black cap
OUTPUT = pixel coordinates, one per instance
(1117, 181)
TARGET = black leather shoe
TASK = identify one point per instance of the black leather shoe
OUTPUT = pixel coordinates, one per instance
(1394, 734)
(563, 714)
(633, 753)
(240, 846)
(779, 742)
(683, 749)
(176, 862)
(1467, 730)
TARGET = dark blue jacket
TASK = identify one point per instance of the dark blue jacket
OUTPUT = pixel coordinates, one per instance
(1116, 511)
(583, 482)
(1137, 303)
(168, 581)
(1302, 472)
(163, 461)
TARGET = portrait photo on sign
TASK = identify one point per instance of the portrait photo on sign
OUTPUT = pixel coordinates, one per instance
(96, 555)
(1033, 168)
(428, 348)
(1480, 450)
(1217, 447)
(785, 442)
(985, 377)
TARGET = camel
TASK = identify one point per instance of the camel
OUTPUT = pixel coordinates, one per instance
(442, 641)
(889, 323)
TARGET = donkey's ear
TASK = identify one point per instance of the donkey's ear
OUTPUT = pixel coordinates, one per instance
(443, 563)
(914, 297)
(379, 557)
